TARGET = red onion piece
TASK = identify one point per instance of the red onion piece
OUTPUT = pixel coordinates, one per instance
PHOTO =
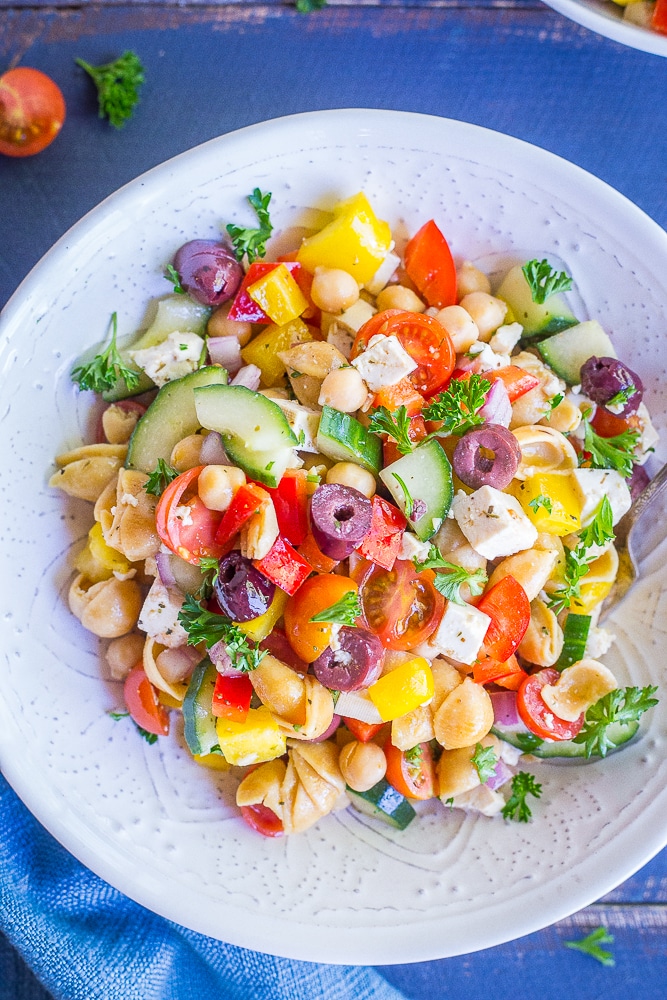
(335, 723)
(177, 664)
(504, 708)
(249, 376)
(500, 776)
(213, 450)
(165, 571)
(225, 351)
(497, 408)
(220, 657)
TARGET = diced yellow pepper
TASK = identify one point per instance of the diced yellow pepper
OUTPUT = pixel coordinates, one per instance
(278, 294)
(562, 513)
(97, 561)
(250, 742)
(263, 349)
(213, 761)
(403, 689)
(597, 583)
(355, 241)
(166, 699)
(258, 628)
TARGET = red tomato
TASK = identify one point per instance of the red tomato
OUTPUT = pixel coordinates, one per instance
(32, 111)
(536, 714)
(508, 608)
(141, 699)
(184, 523)
(411, 772)
(400, 605)
(262, 819)
(429, 263)
(425, 340)
(310, 639)
(608, 425)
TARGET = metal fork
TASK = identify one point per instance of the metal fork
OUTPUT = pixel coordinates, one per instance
(627, 558)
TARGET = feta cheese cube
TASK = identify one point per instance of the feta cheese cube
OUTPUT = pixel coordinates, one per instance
(481, 799)
(648, 438)
(488, 357)
(593, 485)
(176, 356)
(159, 615)
(384, 362)
(354, 318)
(384, 272)
(460, 633)
(303, 421)
(505, 339)
(412, 548)
(493, 522)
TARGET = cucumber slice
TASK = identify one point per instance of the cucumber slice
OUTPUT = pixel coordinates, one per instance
(170, 417)
(382, 801)
(267, 467)
(566, 352)
(200, 733)
(550, 317)
(575, 635)
(426, 474)
(618, 733)
(343, 439)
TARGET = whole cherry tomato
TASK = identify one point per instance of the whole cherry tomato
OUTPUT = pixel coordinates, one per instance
(310, 639)
(32, 111)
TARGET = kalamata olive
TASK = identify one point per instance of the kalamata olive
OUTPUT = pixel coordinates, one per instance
(277, 643)
(638, 481)
(340, 519)
(209, 271)
(242, 592)
(602, 379)
(356, 663)
(487, 456)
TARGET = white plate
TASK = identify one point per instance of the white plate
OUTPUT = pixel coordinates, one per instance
(146, 818)
(607, 19)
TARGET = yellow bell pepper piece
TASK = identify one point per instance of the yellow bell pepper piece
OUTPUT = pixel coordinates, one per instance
(213, 761)
(263, 350)
(97, 561)
(250, 742)
(278, 294)
(551, 501)
(355, 241)
(403, 689)
(258, 628)
(597, 583)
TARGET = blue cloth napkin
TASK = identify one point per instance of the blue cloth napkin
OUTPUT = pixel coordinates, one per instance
(86, 941)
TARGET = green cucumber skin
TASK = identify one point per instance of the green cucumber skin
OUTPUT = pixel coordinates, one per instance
(382, 801)
(575, 635)
(256, 464)
(566, 352)
(535, 318)
(170, 417)
(235, 411)
(198, 718)
(427, 473)
(567, 749)
(342, 438)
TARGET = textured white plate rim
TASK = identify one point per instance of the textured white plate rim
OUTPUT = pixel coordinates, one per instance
(611, 25)
(333, 944)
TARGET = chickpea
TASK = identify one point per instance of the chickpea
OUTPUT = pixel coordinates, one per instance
(399, 297)
(460, 326)
(470, 279)
(351, 474)
(220, 326)
(186, 453)
(344, 389)
(362, 765)
(118, 423)
(333, 290)
(217, 484)
(124, 654)
(486, 310)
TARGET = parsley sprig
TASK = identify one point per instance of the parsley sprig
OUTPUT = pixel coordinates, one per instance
(171, 274)
(117, 85)
(252, 242)
(395, 423)
(578, 559)
(204, 626)
(149, 737)
(450, 581)
(484, 761)
(105, 369)
(459, 405)
(623, 705)
(343, 612)
(160, 477)
(610, 453)
(541, 501)
(516, 807)
(590, 945)
(622, 396)
(544, 281)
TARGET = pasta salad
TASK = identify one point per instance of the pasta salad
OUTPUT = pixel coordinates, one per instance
(353, 517)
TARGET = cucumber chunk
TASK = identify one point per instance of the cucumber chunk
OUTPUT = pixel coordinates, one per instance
(170, 417)
(198, 718)
(427, 475)
(549, 317)
(382, 801)
(343, 439)
(575, 636)
(566, 352)
(619, 733)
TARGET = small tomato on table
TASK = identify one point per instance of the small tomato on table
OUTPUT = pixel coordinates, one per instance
(32, 111)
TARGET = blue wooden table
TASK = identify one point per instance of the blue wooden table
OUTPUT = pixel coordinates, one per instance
(506, 64)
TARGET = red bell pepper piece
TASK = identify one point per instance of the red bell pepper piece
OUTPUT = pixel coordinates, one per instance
(429, 263)
(363, 731)
(517, 380)
(246, 501)
(659, 19)
(231, 697)
(284, 566)
(487, 670)
(290, 499)
(383, 541)
(402, 393)
(243, 308)
(508, 607)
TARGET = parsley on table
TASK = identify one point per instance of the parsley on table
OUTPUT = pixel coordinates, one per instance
(396, 424)
(484, 761)
(343, 612)
(306, 6)
(449, 583)
(171, 274)
(541, 501)
(578, 560)
(252, 242)
(590, 945)
(616, 452)
(117, 85)
(204, 626)
(105, 369)
(516, 807)
(544, 281)
(623, 705)
(459, 405)
(160, 477)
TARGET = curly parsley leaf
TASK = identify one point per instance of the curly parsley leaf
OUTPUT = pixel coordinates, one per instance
(516, 807)
(450, 581)
(590, 945)
(544, 281)
(171, 274)
(396, 424)
(160, 477)
(204, 626)
(621, 397)
(252, 242)
(117, 85)
(459, 405)
(343, 612)
(105, 369)
(623, 705)
(117, 715)
(149, 737)
(616, 452)
(541, 501)
(578, 560)
(484, 760)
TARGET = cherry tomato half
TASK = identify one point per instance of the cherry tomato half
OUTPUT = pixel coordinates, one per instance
(608, 424)
(411, 772)
(310, 639)
(141, 699)
(184, 523)
(400, 605)
(536, 714)
(32, 111)
(262, 819)
(508, 607)
(425, 340)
